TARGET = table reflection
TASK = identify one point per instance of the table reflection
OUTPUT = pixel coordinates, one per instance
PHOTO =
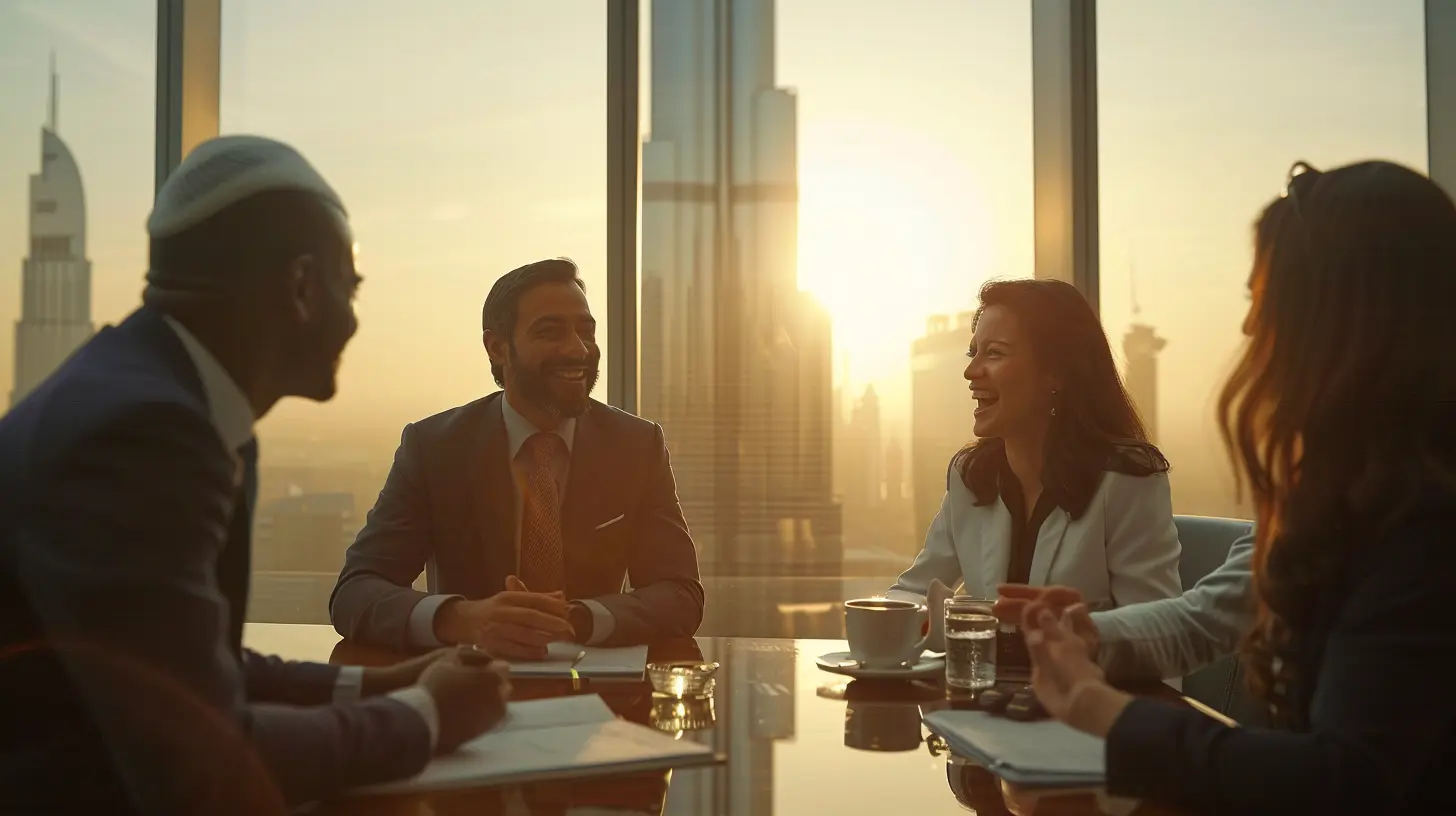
(882, 715)
(796, 740)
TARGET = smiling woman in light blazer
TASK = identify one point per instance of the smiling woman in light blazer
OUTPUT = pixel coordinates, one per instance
(1061, 486)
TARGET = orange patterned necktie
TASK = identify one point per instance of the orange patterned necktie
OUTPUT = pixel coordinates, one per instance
(541, 560)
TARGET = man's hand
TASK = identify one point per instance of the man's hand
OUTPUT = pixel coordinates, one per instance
(577, 615)
(1066, 680)
(1015, 599)
(470, 695)
(512, 624)
(384, 679)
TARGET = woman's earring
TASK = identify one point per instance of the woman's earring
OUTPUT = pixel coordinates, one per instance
(1054, 399)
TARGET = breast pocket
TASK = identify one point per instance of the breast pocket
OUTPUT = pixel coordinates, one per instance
(611, 522)
(605, 552)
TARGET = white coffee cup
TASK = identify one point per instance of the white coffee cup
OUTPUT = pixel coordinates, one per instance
(884, 633)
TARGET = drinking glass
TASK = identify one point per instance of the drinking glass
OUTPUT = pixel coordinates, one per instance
(970, 643)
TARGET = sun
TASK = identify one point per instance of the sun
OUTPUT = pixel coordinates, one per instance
(884, 243)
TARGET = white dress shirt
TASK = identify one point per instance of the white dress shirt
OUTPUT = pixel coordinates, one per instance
(232, 415)
(518, 430)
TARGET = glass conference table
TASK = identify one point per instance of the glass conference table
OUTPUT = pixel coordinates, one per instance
(797, 740)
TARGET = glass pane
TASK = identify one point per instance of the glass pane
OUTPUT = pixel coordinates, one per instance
(825, 186)
(1197, 134)
(76, 167)
(466, 139)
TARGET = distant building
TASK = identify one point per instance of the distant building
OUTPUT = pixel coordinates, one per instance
(1140, 346)
(55, 299)
(877, 537)
(864, 466)
(304, 533)
(941, 409)
(736, 360)
(897, 509)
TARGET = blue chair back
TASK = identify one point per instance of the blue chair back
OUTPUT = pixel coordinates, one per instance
(1206, 541)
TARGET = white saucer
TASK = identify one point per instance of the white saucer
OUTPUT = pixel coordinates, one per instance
(841, 663)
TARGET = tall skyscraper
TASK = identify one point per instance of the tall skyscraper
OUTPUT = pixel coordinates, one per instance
(55, 313)
(941, 409)
(1141, 345)
(736, 360)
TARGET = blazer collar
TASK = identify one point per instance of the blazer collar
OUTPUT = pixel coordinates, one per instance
(231, 412)
(490, 493)
(1048, 541)
(148, 327)
(995, 535)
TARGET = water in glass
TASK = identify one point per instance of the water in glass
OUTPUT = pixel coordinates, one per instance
(970, 645)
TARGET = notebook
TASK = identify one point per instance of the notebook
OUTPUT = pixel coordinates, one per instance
(1045, 753)
(563, 737)
(625, 663)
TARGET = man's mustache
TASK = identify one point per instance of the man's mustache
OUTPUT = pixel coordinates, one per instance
(589, 363)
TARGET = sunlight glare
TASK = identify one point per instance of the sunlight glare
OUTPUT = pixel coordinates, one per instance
(876, 246)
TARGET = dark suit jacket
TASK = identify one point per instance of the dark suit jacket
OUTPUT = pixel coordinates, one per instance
(449, 502)
(123, 588)
(1381, 712)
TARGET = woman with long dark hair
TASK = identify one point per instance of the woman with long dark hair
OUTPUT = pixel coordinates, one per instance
(1341, 420)
(1061, 485)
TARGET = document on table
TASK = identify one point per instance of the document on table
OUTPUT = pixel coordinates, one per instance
(624, 663)
(563, 737)
(1045, 753)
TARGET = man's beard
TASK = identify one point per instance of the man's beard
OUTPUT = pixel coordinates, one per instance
(535, 384)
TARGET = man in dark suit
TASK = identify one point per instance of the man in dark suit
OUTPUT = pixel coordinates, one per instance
(127, 481)
(528, 506)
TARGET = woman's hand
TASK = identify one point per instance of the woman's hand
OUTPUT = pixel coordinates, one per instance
(1066, 680)
(1013, 599)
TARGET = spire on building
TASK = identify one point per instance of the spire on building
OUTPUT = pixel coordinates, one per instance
(53, 118)
(1132, 280)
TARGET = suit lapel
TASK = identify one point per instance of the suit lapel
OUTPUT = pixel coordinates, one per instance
(1048, 541)
(581, 508)
(492, 495)
(995, 535)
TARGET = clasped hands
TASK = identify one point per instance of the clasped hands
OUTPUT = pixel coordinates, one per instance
(1063, 643)
(514, 624)
(468, 686)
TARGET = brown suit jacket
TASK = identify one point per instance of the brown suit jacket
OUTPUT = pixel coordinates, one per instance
(449, 504)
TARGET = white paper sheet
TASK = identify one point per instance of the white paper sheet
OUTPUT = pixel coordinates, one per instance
(533, 744)
(581, 709)
(626, 662)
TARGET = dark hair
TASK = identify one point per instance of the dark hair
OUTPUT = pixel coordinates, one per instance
(1340, 414)
(1095, 427)
(501, 308)
(224, 252)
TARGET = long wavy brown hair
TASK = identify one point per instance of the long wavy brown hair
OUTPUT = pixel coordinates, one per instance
(1095, 429)
(1339, 413)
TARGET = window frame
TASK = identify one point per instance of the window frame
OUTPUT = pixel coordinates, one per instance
(1064, 88)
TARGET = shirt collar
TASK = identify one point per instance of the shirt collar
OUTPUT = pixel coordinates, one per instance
(231, 413)
(519, 429)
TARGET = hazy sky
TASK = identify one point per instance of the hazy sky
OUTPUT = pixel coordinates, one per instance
(468, 136)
